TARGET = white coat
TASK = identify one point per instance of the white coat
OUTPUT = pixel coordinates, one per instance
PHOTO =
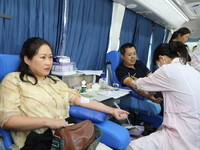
(180, 86)
(196, 58)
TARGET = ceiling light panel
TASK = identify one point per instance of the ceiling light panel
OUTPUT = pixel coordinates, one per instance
(171, 3)
(164, 10)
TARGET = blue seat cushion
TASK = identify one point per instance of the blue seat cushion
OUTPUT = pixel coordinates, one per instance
(155, 120)
(7, 140)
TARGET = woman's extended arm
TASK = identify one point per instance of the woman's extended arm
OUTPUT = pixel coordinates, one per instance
(129, 82)
(92, 104)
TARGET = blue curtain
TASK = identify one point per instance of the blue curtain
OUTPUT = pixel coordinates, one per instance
(87, 34)
(30, 18)
(142, 37)
(165, 40)
(128, 27)
(157, 38)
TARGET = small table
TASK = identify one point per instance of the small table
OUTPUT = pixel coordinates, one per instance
(106, 96)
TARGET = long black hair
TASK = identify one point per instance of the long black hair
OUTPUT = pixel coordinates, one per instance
(182, 31)
(30, 48)
(172, 50)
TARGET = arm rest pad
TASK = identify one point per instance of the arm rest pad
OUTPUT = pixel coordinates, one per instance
(133, 93)
(85, 113)
(155, 120)
(114, 135)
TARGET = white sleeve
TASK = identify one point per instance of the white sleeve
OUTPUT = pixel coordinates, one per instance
(196, 58)
(158, 81)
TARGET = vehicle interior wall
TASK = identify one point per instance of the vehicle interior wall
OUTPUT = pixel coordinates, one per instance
(62, 23)
(172, 14)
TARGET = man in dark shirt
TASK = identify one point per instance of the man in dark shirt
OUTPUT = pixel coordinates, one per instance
(124, 71)
(132, 68)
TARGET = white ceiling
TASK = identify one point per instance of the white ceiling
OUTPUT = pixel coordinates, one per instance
(189, 7)
(164, 15)
(139, 9)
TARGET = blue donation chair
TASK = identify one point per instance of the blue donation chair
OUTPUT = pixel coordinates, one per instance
(148, 109)
(114, 135)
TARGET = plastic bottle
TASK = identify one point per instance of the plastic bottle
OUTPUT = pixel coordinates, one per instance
(102, 83)
(83, 86)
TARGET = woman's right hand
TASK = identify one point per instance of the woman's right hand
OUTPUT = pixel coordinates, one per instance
(56, 123)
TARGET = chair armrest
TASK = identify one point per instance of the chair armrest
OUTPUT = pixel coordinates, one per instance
(114, 135)
(7, 140)
(133, 93)
(155, 120)
(85, 113)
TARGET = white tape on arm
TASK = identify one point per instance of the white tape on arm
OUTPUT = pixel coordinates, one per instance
(85, 99)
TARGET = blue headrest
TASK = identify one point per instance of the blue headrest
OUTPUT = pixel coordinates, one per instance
(8, 63)
(115, 59)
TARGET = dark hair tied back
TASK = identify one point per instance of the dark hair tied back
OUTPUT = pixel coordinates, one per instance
(182, 31)
(179, 50)
(172, 50)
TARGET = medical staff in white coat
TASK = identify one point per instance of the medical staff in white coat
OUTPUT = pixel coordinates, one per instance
(196, 58)
(180, 86)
